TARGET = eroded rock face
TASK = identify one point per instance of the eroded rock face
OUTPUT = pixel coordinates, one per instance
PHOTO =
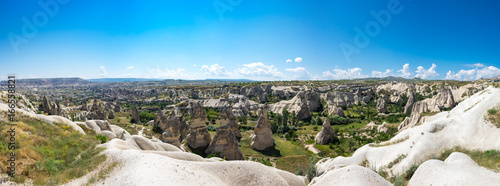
(173, 129)
(409, 103)
(381, 106)
(111, 115)
(117, 107)
(335, 111)
(229, 119)
(226, 144)
(84, 107)
(263, 136)
(326, 135)
(135, 116)
(198, 136)
(411, 121)
(304, 111)
(384, 128)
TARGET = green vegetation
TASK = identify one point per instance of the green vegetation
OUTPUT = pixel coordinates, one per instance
(146, 116)
(494, 117)
(489, 159)
(52, 154)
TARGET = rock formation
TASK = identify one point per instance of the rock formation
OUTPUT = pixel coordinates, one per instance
(226, 144)
(263, 136)
(111, 115)
(335, 111)
(135, 116)
(409, 103)
(381, 106)
(326, 135)
(304, 111)
(383, 128)
(198, 136)
(84, 106)
(173, 128)
(229, 119)
(117, 107)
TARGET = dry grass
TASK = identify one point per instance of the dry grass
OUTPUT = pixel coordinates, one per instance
(48, 154)
(494, 116)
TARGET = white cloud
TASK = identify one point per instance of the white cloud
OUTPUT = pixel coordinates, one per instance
(475, 65)
(194, 65)
(298, 60)
(474, 74)
(168, 74)
(381, 74)
(425, 74)
(487, 72)
(103, 70)
(214, 69)
(301, 73)
(405, 72)
(344, 74)
(130, 67)
(258, 69)
(288, 60)
(462, 75)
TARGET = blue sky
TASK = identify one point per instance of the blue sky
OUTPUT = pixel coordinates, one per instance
(259, 40)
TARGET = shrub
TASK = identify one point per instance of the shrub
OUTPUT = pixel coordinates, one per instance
(492, 111)
(212, 128)
(102, 138)
(411, 171)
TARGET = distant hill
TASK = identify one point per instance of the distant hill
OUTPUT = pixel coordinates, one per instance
(232, 80)
(115, 80)
(48, 81)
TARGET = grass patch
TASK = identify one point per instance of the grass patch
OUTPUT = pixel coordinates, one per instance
(48, 154)
(494, 117)
(489, 159)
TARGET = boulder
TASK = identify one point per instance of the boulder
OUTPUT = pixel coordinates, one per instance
(263, 136)
(326, 135)
(198, 137)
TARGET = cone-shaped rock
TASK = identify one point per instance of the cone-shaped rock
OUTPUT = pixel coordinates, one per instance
(135, 116)
(229, 119)
(111, 115)
(117, 107)
(198, 136)
(173, 128)
(226, 144)
(326, 135)
(263, 136)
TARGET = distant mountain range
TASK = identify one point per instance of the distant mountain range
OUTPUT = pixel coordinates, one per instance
(77, 80)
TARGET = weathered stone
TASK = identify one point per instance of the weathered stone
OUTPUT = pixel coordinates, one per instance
(409, 104)
(229, 119)
(263, 136)
(111, 115)
(381, 106)
(198, 136)
(226, 144)
(135, 116)
(326, 135)
(84, 106)
(173, 128)
(117, 107)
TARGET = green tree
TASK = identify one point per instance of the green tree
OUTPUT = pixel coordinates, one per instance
(285, 117)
